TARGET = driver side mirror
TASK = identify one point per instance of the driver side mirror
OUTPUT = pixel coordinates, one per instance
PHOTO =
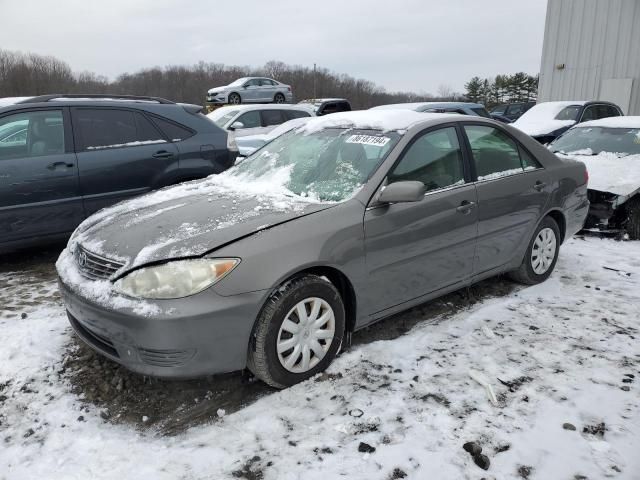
(236, 126)
(402, 192)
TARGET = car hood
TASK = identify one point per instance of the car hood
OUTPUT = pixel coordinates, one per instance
(539, 128)
(609, 172)
(187, 220)
(218, 89)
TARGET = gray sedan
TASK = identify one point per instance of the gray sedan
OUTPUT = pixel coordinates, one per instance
(251, 90)
(344, 221)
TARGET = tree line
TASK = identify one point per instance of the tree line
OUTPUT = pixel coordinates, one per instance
(519, 87)
(28, 74)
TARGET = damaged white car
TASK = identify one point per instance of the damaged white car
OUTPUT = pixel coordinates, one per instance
(610, 148)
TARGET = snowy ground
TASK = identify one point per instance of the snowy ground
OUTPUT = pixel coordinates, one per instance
(565, 352)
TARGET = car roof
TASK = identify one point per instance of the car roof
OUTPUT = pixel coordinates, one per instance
(261, 106)
(416, 105)
(18, 103)
(323, 100)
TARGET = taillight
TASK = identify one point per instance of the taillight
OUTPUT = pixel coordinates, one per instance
(289, 88)
(586, 176)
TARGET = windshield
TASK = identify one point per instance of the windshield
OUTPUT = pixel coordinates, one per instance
(593, 140)
(239, 82)
(329, 165)
(221, 117)
(568, 113)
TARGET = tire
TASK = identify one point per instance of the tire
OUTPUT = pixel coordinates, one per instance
(633, 218)
(279, 98)
(285, 368)
(234, 99)
(537, 265)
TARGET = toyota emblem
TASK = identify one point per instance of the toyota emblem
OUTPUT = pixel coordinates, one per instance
(82, 259)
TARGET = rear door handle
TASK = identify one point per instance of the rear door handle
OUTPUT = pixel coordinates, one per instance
(163, 154)
(465, 207)
(539, 186)
(54, 165)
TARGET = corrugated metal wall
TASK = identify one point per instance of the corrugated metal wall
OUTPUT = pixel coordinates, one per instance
(595, 40)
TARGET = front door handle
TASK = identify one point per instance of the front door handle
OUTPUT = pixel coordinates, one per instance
(465, 207)
(54, 165)
(162, 154)
(539, 186)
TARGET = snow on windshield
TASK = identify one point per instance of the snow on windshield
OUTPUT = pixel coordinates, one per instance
(324, 165)
(596, 139)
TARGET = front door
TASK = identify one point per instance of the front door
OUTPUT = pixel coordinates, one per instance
(39, 189)
(413, 249)
(120, 154)
(513, 190)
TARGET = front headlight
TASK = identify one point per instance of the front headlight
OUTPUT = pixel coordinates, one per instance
(177, 279)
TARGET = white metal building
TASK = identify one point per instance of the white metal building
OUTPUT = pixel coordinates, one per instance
(591, 51)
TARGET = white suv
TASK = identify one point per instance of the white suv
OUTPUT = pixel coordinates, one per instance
(245, 120)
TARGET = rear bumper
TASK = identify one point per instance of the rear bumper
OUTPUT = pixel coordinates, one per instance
(200, 335)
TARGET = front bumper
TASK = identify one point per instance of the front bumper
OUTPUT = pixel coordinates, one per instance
(195, 336)
(219, 98)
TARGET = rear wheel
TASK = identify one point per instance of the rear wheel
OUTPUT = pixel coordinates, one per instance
(234, 99)
(279, 98)
(298, 332)
(633, 218)
(542, 254)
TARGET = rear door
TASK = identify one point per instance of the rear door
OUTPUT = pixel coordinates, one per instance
(512, 193)
(39, 189)
(120, 154)
(413, 249)
(268, 90)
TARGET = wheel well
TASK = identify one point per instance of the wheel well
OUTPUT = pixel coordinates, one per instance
(279, 93)
(560, 220)
(345, 288)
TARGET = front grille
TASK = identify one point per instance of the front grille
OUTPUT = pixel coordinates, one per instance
(165, 358)
(97, 341)
(94, 266)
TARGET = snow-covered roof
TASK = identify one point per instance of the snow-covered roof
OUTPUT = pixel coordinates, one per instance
(613, 122)
(417, 105)
(385, 120)
(6, 101)
(540, 119)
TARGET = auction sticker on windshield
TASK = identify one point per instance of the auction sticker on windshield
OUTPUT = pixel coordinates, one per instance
(368, 140)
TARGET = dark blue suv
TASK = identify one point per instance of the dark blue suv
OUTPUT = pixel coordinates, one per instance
(63, 157)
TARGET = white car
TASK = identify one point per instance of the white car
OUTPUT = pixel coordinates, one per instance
(610, 148)
(251, 90)
(250, 143)
(548, 120)
(243, 120)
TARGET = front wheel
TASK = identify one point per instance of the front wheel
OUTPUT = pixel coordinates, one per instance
(234, 99)
(541, 255)
(298, 332)
(279, 98)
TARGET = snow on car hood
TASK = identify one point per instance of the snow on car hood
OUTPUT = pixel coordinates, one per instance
(538, 128)
(187, 220)
(609, 172)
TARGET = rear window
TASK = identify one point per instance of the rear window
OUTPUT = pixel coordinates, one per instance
(291, 114)
(481, 112)
(173, 131)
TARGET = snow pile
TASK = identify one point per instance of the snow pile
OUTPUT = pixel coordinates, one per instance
(614, 122)
(385, 120)
(562, 359)
(540, 119)
(610, 172)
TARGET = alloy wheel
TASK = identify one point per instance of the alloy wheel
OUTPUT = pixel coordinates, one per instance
(306, 335)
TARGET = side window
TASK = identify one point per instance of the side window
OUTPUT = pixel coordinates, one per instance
(97, 128)
(272, 117)
(146, 132)
(590, 113)
(434, 159)
(291, 114)
(265, 82)
(613, 111)
(31, 134)
(250, 119)
(173, 131)
(528, 162)
(495, 154)
(253, 83)
(344, 107)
